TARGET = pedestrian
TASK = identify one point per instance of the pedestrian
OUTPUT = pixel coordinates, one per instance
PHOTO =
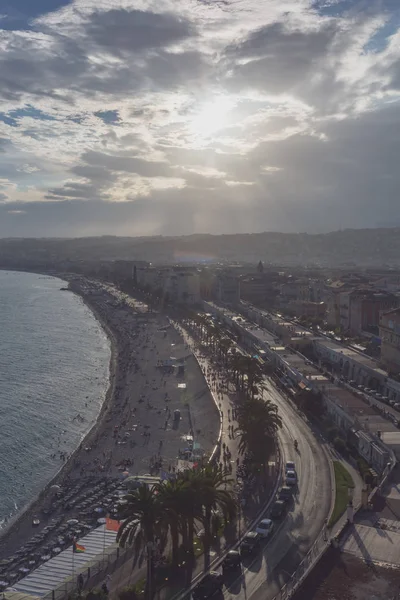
(80, 583)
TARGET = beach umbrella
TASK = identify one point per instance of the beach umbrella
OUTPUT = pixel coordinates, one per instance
(73, 522)
(56, 550)
(99, 509)
(101, 521)
(55, 488)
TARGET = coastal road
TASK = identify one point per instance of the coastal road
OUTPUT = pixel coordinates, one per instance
(263, 576)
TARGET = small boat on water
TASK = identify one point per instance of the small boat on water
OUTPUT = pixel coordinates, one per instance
(35, 522)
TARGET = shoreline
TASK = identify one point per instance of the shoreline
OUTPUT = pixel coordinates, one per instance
(134, 429)
(65, 469)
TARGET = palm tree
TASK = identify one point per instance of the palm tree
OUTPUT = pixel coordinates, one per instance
(191, 509)
(224, 347)
(213, 495)
(252, 375)
(235, 367)
(142, 515)
(258, 422)
(172, 496)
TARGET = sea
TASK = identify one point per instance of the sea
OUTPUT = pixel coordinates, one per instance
(54, 374)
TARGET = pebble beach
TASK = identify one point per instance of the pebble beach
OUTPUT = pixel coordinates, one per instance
(153, 374)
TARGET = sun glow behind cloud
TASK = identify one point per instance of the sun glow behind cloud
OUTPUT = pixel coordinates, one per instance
(211, 117)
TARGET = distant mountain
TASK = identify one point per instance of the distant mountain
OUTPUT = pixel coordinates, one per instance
(363, 247)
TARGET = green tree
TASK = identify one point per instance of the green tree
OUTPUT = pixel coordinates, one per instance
(258, 423)
(142, 523)
(213, 494)
(173, 497)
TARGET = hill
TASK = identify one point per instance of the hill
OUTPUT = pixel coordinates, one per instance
(361, 247)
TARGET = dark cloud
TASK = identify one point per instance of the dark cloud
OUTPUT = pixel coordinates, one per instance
(78, 190)
(135, 31)
(64, 63)
(277, 59)
(129, 164)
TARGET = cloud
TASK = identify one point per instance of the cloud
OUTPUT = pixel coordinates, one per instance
(129, 32)
(128, 116)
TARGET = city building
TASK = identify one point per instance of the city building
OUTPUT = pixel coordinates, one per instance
(259, 288)
(332, 299)
(227, 289)
(365, 307)
(306, 308)
(183, 286)
(389, 332)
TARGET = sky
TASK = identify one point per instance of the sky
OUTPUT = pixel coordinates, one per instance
(173, 117)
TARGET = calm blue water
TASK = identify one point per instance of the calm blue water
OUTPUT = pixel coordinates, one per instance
(54, 359)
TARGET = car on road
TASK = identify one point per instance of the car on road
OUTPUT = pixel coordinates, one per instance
(250, 543)
(291, 478)
(232, 561)
(210, 584)
(265, 528)
(285, 494)
(290, 466)
(278, 509)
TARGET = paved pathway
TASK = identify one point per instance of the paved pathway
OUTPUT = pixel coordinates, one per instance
(373, 544)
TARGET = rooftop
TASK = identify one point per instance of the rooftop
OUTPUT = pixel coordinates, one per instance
(54, 573)
(352, 354)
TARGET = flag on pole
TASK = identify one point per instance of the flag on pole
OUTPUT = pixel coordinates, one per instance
(78, 548)
(112, 524)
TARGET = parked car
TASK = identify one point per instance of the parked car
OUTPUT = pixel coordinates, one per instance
(208, 586)
(250, 543)
(291, 478)
(232, 561)
(285, 494)
(290, 466)
(265, 528)
(278, 509)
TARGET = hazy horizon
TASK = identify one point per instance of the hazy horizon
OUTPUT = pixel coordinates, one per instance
(142, 118)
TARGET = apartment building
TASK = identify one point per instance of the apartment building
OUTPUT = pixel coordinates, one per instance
(389, 332)
(227, 289)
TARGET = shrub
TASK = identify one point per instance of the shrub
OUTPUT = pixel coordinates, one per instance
(128, 593)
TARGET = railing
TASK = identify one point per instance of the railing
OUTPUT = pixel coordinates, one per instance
(318, 548)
